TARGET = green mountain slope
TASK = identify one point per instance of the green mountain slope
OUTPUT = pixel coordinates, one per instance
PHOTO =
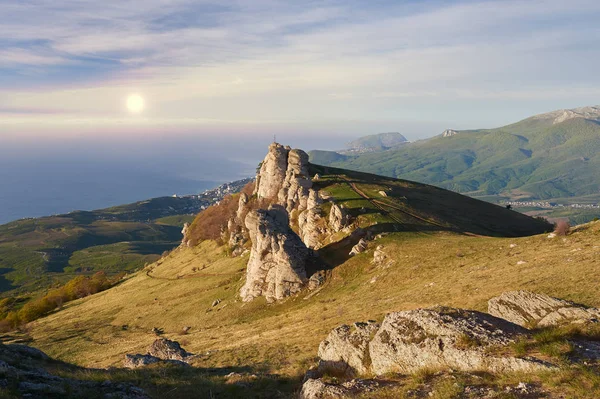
(37, 252)
(555, 155)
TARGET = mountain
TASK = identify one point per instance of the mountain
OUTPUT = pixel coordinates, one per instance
(375, 142)
(376, 255)
(553, 156)
(38, 252)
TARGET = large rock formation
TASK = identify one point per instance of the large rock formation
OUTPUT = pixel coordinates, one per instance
(272, 172)
(433, 338)
(530, 309)
(277, 265)
(283, 177)
(444, 338)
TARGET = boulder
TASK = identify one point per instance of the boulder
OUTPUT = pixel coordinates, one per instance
(166, 349)
(316, 280)
(277, 265)
(345, 351)
(317, 389)
(379, 256)
(528, 309)
(360, 247)
(444, 337)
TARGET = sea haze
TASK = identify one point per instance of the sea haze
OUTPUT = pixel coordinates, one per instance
(40, 177)
(39, 180)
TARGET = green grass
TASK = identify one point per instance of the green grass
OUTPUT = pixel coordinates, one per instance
(38, 253)
(539, 160)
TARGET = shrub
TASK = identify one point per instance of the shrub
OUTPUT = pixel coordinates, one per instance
(562, 228)
(78, 287)
(211, 222)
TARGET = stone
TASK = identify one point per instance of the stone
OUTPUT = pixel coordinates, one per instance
(276, 268)
(215, 302)
(379, 256)
(345, 351)
(338, 217)
(137, 361)
(526, 308)
(360, 247)
(317, 389)
(166, 349)
(445, 337)
(317, 177)
(239, 214)
(316, 280)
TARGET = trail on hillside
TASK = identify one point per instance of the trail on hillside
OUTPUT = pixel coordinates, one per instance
(381, 206)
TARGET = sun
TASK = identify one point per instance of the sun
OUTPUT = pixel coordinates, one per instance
(135, 103)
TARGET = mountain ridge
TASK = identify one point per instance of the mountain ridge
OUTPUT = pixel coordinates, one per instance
(534, 158)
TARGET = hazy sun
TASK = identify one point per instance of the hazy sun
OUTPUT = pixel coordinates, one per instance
(135, 103)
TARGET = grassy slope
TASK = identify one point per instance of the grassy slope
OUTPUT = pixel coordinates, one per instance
(535, 157)
(428, 266)
(35, 253)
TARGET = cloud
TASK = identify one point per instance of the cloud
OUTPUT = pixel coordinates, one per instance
(242, 61)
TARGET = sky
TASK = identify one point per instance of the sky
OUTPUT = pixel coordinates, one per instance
(315, 72)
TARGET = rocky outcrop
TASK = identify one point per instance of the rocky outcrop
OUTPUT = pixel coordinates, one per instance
(185, 241)
(240, 213)
(345, 351)
(445, 338)
(360, 247)
(272, 172)
(449, 133)
(283, 177)
(27, 372)
(161, 350)
(434, 338)
(338, 217)
(311, 223)
(530, 309)
(168, 350)
(296, 185)
(277, 265)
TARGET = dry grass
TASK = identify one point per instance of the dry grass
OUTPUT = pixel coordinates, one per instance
(282, 336)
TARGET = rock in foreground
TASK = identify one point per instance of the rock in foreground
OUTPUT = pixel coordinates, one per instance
(530, 309)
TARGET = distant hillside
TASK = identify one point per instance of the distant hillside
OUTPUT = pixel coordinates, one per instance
(36, 252)
(375, 142)
(550, 156)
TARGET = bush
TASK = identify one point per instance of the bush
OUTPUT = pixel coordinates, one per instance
(211, 222)
(562, 228)
(79, 287)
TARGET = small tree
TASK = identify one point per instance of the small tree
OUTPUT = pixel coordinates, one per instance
(562, 228)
